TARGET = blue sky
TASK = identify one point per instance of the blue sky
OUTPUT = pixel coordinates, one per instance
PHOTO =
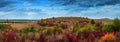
(38, 9)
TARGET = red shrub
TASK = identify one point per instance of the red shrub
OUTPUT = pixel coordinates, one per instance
(71, 37)
(10, 37)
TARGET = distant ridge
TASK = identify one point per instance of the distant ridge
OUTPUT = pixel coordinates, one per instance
(103, 20)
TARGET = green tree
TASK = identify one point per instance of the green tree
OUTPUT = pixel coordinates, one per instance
(92, 21)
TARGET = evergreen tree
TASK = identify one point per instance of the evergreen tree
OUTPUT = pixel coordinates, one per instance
(92, 21)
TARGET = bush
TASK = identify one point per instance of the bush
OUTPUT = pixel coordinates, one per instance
(47, 22)
(70, 37)
(50, 31)
(90, 28)
(92, 21)
(82, 30)
(60, 30)
(42, 22)
(108, 38)
(10, 37)
(108, 27)
(65, 25)
(74, 29)
(2, 26)
(42, 38)
(116, 23)
(53, 31)
(113, 26)
(31, 29)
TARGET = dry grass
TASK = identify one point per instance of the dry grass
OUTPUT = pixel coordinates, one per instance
(20, 26)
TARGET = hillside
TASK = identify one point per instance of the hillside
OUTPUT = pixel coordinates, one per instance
(103, 20)
(62, 29)
(50, 22)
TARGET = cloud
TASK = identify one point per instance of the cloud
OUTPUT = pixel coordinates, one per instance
(22, 13)
(31, 13)
(4, 13)
(86, 3)
(5, 3)
(36, 1)
(34, 9)
(29, 9)
(108, 11)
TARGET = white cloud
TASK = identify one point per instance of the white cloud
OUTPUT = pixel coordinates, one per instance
(27, 4)
(108, 11)
(31, 13)
(4, 13)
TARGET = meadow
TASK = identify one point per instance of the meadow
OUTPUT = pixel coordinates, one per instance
(62, 29)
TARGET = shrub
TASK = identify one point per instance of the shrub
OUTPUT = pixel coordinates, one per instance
(82, 30)
(42, 38)
(70, 37)
(108, 27)
(65, 25)
(53, 31)
(60, 30)
(42, 22)
(108, 38)
(116, 23)
(47, 22)
(37, 35)
(2, 26)
(42, 30)
(77, 26)
(10, 37)
(90, 28)
(74, 29)
(92, 21)
(50, 31)
(113, 26)
(31, 29)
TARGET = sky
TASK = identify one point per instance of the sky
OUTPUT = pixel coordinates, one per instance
(40, 9)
